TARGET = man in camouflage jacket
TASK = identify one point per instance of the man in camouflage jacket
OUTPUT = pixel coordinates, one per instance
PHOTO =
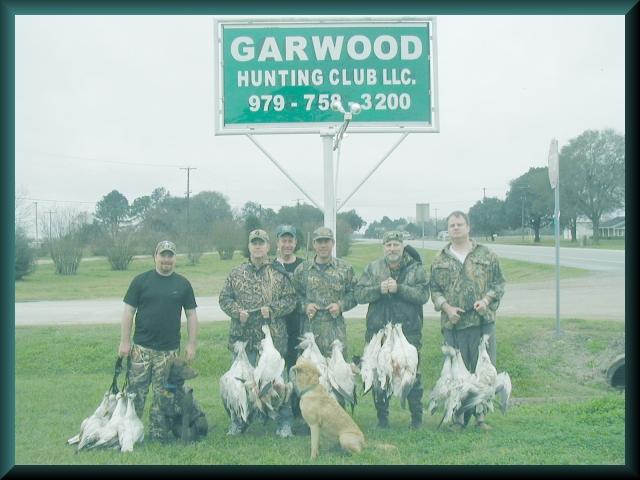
(254, 293)
(396, 287)
(325, 290)
(466, 286)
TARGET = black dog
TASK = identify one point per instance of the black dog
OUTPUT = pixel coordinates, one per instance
(184, 416)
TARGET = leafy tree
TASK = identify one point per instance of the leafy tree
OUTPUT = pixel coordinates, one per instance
(112, 212)
(65, 242)
(120, 251)
(377, 229)
(352, 219)
(487, 217)
(532, 192)
(228, 237)
(205, 209)
(343, 237)
(592, 174)
(25, 255)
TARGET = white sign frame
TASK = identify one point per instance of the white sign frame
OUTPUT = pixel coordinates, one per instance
(307, 127)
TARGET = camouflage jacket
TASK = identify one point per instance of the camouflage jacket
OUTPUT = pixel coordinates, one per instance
(250, 288)
(404, 306)
(460, 285)
(333, 285)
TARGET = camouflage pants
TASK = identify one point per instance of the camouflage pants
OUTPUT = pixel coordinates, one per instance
(149, 366)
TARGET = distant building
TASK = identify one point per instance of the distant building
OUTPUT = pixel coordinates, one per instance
(613, 228)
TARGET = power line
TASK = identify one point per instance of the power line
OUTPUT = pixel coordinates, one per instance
(54, 201)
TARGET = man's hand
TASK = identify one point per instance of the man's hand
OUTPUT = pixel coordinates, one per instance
(244, 316)
(265, 312)
(393, 286)
(481, 305)
(125, 348)
(311, 311)
(452, 312)
(334, 309)
(190, 353)
(384, 287)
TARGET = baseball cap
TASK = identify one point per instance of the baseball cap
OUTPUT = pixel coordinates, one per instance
(166, 246)
(286, 230)
(322, 232)
(261, 234)
(392, 235)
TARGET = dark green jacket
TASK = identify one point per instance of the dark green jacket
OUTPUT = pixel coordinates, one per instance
(404, 306)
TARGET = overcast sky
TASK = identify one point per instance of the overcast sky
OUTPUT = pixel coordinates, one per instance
(122, 102)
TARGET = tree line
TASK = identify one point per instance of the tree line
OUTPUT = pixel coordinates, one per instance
(592, 184)
(201, 223)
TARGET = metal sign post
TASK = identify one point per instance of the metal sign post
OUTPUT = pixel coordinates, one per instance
(554, 179)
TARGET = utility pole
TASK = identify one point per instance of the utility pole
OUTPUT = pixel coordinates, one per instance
(50, 212)
(524, 194)
(484, 193)
(188, 169)
(436, 223)
(36, 203)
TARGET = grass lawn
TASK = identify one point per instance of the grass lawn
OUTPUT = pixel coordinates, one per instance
(95, 279)
(562, 410)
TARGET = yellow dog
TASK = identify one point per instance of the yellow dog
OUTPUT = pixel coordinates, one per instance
(322, 412)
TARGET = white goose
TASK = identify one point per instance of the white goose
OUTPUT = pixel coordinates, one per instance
(442, 387)
(272, 390)
(384, 365)
(270, 363)
(341, 376)
(233, 384)
(108, 435)
(130, 429)
(311, 352)
(404, 358)
(369, 361)
(91, 424)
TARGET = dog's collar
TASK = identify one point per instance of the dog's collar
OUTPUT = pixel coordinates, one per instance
(171, 387)
(307, 389)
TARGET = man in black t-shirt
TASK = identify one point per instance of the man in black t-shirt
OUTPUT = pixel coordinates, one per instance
(156, 299)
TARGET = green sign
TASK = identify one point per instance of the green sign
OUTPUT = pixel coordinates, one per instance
(283, 76)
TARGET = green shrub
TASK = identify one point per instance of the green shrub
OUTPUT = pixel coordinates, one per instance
(25, 255)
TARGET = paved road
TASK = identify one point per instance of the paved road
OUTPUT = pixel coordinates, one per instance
(598, 296)
(587, 258)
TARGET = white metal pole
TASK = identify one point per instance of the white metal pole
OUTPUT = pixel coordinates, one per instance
(329, 186)
(556, 215)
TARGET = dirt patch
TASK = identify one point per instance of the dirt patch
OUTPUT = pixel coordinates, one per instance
(579, 357)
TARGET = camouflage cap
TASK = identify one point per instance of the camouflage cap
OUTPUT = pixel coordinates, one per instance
(392, 235)
(261, 234)
(322, 232)
(166, 246)
(286, 230)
